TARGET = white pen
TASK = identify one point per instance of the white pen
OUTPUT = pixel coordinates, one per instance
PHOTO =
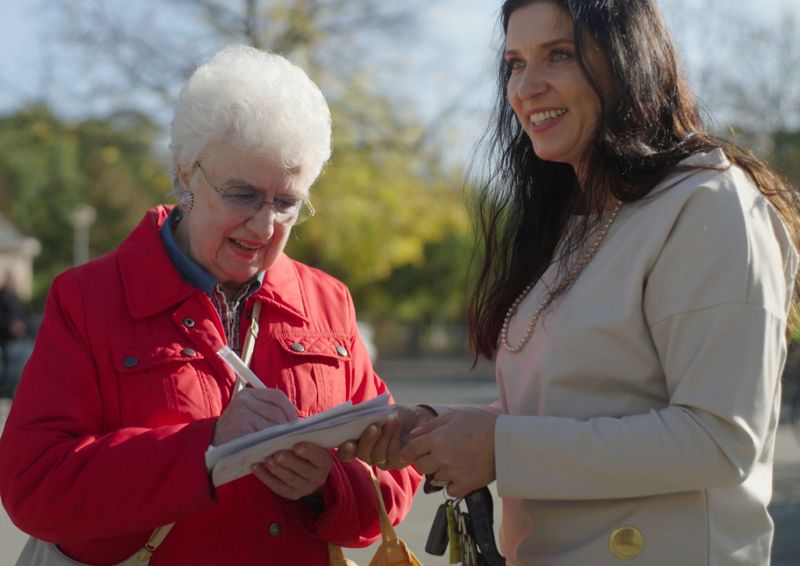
(240, 368)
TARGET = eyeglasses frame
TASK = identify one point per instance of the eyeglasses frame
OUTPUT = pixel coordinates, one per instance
(310, 211)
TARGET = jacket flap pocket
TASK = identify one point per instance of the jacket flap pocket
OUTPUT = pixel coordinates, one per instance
(315, 345)
(141, 358)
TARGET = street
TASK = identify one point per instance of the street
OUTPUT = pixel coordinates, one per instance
(418, 383)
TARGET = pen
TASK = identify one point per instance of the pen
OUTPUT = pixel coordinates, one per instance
(240, 368)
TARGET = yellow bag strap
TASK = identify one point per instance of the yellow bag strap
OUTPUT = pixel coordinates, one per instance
(387, 530)
(154, 542)
(392, 550)
(337, 558)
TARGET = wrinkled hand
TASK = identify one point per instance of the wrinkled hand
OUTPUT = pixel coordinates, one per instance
(381, 445)
(251, 410)
(457, 447)
(296, 473)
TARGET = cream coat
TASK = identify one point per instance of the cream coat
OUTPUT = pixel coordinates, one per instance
(648, 397)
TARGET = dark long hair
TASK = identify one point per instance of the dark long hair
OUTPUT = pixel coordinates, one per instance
(645, 129)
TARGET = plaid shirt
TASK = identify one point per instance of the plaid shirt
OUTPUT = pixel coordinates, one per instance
(230, 312)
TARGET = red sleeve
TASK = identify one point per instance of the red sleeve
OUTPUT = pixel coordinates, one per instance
(350, 515)
(61, 476)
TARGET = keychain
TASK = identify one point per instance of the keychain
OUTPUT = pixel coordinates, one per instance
(450, 529)
(453, 535)
(467, 549)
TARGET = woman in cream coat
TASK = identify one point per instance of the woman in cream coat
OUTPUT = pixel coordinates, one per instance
(635, 291)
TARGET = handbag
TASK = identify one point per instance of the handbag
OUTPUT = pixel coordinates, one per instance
(393, 551)
(38, 552)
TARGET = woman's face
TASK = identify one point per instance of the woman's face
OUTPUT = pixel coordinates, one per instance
(551, 97)
(234, 244)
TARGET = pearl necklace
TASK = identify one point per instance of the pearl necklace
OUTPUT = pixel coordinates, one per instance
(573, 274)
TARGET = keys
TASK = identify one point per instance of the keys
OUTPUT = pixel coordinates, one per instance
(453, 534)
(469, 551)
(450, 529)
(438, 537)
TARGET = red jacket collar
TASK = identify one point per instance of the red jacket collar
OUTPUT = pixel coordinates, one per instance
(283, 288)
(152, 284)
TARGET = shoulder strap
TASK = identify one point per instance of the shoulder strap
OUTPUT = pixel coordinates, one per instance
(252, 334)
(154, 542)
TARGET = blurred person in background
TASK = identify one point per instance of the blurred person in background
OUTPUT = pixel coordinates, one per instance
(635, 290)
(124, 391)
(12, 327)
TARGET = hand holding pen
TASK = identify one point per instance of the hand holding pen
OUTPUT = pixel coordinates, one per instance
(292, 473)
(254, 408)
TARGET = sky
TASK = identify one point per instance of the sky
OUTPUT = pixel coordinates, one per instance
(449, 60)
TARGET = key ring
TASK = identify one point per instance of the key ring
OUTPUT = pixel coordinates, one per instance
(432, 485)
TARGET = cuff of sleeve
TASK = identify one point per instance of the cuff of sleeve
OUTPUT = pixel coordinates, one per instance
(505, 454)
(205, 428)
(317, 513)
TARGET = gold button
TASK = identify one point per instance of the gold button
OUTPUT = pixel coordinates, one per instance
(626, 543)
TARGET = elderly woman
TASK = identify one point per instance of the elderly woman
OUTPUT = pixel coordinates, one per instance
(124, 392)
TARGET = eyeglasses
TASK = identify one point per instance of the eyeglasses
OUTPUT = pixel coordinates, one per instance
(245, 201)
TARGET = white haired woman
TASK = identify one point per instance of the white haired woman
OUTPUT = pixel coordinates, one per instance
(124, 392)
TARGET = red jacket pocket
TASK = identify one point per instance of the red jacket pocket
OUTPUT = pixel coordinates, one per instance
(159, 384)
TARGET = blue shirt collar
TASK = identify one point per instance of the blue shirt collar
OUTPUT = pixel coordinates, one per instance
(191, 271)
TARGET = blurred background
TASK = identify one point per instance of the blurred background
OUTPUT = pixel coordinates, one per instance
(87, 87)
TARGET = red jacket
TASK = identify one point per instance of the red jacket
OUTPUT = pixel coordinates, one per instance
(116, 407)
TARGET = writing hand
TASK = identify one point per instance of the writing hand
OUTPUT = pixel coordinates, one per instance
(251, 410)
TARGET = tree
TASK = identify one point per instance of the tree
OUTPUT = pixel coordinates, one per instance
(744, 69)
(138, 54)
(785, 154)
(48, 166)
(749, 80)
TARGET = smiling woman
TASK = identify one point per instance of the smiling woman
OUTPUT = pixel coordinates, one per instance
(635, 288)
(548, 88)
(124, 391)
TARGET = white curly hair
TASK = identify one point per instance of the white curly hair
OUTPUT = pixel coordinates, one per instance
(257, 102)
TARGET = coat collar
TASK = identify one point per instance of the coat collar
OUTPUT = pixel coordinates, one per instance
(152, 283)
(282, 287)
